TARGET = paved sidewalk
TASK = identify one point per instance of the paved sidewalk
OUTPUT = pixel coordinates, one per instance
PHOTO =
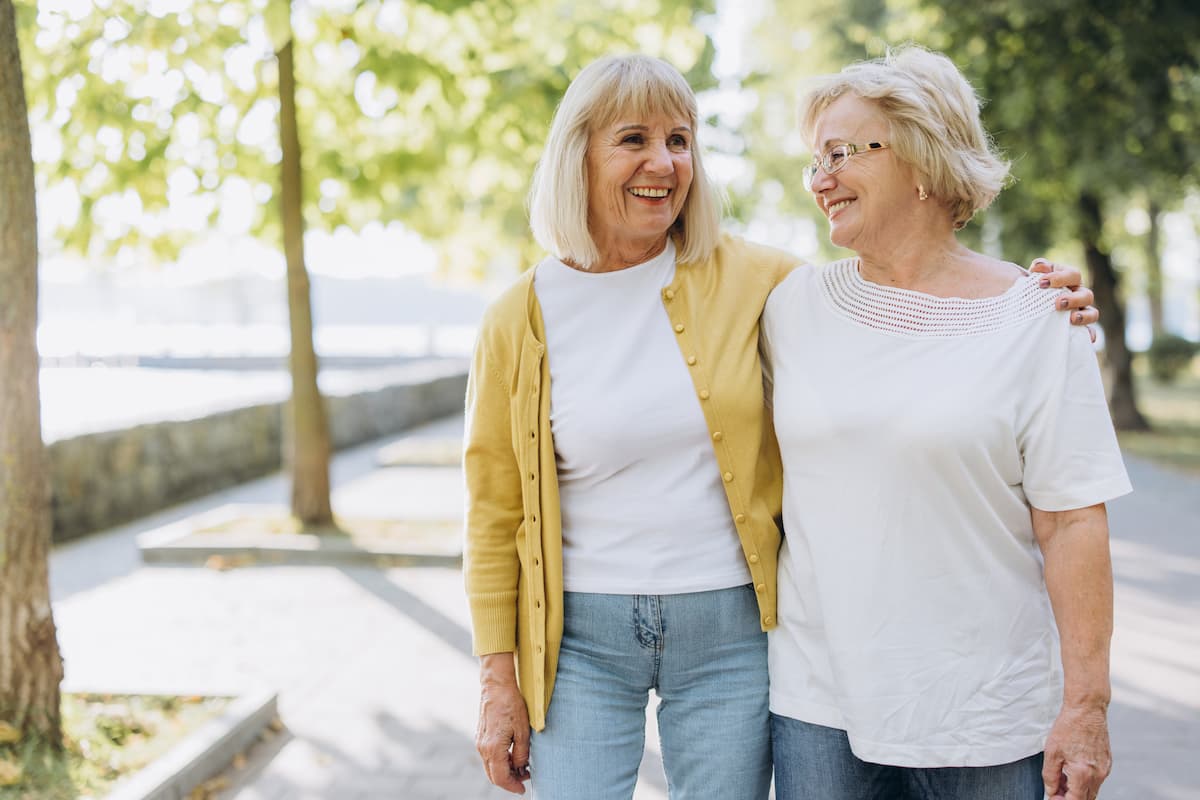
(378, 687)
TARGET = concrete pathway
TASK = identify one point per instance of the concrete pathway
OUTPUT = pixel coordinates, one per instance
(378, 687)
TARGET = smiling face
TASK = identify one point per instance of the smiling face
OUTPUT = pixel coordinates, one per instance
(639, 172)
(866, 201)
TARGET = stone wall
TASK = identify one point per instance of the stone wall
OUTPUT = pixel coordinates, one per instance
(103, 479)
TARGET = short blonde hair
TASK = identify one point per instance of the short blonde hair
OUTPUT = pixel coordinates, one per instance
(603, 92)
(935, 125)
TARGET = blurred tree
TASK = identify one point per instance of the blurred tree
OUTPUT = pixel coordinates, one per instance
(161, 115)
(30, 666)
(307, 444)
(429, 113)
(1093, 100)
(1154, 281)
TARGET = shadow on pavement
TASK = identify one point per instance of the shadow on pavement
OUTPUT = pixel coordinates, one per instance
(436, 622)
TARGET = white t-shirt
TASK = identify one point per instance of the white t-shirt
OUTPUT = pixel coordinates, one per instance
(916, 431)
(643, 507)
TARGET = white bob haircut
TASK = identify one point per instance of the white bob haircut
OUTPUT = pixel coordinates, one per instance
(935, 125)
(609, 89)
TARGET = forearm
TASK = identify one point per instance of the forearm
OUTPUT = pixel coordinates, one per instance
(1078, 573)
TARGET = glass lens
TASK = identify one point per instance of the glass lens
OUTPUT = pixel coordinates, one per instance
(836, 158)
(809, 173)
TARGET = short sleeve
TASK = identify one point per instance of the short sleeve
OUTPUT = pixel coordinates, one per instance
(1068, 445)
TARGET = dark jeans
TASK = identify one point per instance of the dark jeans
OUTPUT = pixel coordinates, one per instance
(813, 762)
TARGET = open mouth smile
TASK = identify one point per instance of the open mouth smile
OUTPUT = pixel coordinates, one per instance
(836, 207)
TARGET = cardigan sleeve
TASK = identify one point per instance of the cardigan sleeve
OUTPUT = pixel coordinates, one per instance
(494, 513)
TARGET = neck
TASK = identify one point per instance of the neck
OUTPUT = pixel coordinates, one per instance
(616, 256)
(916, 260)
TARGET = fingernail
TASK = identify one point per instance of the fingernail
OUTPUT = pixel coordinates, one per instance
(1079, 317)
(1062, 303)
(1044, 283)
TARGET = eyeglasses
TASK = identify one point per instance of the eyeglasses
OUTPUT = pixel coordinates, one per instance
(836, 157)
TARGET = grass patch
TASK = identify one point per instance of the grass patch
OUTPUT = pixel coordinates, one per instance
(1174, 414)
(106, 738)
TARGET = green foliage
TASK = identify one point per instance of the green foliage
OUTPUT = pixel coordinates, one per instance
(1085, 96)
(430, 113)
(1088, 97)
(1169, 355)
(106, 738)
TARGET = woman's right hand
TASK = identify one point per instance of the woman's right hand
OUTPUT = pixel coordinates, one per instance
(502, 737)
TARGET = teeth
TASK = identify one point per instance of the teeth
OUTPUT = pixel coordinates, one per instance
(640, 192)
(839, 206)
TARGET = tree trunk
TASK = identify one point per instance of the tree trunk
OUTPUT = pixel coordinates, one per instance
(1122, 400)
(1154, 282)
(30, 665)
(306, 440)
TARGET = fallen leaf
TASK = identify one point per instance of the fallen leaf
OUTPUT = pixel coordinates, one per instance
(10, 773)
(8, 733)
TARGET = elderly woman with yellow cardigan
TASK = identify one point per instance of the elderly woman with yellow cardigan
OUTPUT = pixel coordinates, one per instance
(623, 479)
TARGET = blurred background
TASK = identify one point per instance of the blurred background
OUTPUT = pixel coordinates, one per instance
(226, 187)
(156, 140)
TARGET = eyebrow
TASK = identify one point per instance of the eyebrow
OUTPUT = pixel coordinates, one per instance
(638, 127)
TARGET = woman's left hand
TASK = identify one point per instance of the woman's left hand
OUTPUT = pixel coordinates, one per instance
(1077, 758)
(1079, 298)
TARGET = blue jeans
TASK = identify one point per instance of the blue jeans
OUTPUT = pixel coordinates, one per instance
(704, 655)
(813, 762)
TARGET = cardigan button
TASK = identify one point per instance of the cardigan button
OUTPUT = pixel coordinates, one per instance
(704, 395)
(718, 436)
(753, 558)
(768, 620)
(762, 587)
(740, 518)
(669, 294)
(679, 329)
(728, 477)
(691, 361)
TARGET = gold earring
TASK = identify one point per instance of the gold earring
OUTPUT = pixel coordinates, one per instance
(921, 193)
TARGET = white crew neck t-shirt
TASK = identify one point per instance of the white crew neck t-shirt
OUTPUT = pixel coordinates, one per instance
(914, 431)
(643, 507)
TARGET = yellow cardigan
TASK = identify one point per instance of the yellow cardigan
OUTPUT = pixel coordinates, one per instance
(513, 558)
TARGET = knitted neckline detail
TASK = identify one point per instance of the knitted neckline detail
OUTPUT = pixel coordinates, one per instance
(904, 312)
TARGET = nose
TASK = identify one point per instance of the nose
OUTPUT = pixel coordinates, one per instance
(658, 158)
(821, 181)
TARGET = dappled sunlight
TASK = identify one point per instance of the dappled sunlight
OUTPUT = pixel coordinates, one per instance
(1156, 639)
(1142, 562)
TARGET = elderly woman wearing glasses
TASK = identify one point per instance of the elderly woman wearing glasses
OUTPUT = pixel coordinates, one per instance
(947, 454)
(622, 475)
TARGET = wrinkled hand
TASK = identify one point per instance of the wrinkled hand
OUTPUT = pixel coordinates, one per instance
(502, 737)
(1079, 298)
(1078, 758)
